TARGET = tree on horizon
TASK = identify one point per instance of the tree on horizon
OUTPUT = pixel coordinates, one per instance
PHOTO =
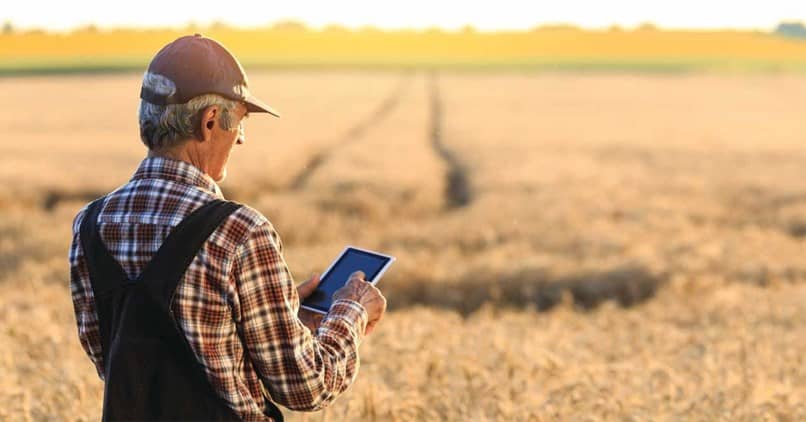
(791, 29)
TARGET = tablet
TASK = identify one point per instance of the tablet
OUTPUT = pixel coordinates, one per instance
(351, 259)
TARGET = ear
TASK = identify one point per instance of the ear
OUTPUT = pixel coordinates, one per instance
(208, 121)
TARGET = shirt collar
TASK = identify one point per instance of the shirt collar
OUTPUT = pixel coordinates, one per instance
(177, 171)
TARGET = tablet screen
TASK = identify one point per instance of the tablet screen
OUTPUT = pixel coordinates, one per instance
(349, 262)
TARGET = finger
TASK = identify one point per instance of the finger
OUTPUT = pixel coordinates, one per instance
(383, 304)
(358, 287)
(358, 274)
(370, 327)
(375, 301)
(315, 278)
(307, 287)
(312, 320)
(306, 321)
(376, 294)
(313, 323)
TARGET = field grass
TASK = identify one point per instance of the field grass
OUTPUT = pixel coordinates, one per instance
(570, 246)
(79, 66)
(547, 49)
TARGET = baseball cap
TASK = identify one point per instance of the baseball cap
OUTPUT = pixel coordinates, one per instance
(199, 65)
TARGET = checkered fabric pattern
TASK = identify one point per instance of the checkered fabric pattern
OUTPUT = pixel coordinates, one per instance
(237, 303)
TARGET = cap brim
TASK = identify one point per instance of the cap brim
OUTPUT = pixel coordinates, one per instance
(254, 105)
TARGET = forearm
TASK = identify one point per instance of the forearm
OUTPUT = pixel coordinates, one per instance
(84, 305)
(300, 369)
(332, 363)
(87, 323)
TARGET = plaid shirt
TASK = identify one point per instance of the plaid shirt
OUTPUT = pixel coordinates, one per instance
(237, 303)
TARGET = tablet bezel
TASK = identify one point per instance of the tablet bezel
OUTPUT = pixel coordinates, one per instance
(390, 260)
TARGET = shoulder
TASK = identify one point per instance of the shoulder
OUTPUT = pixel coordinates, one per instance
(79, 218)
(243, 223)
(75, 246)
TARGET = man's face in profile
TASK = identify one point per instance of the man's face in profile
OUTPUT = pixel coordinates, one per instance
(222, 142)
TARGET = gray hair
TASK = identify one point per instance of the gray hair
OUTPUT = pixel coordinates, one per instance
(167, 126)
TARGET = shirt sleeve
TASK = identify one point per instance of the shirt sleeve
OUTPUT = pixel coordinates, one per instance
(300, 371)
(89, 333)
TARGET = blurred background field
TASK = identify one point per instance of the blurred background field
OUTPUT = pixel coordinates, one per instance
(575, 239)
(291, 44)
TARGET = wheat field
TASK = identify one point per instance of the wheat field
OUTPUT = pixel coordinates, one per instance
(570, 246)
(292, 44)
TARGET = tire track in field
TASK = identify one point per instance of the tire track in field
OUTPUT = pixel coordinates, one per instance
(50, 199)
(355, 132)
(458, 193)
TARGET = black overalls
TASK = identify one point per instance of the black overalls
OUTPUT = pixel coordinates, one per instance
(150, 371)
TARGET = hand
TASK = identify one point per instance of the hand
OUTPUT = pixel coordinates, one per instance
(309, 318)
(367, 295)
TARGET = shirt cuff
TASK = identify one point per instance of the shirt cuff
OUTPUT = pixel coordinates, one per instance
(351, 312)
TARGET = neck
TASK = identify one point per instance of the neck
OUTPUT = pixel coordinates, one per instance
(184, 152)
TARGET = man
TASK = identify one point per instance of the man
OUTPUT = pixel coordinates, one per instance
(183, 300)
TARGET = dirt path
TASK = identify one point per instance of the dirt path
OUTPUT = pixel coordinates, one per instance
(457, 185)
(354, 133)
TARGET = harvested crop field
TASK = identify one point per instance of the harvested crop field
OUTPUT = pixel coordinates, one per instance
(570, 246)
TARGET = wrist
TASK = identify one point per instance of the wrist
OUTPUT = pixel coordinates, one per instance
(350, 310)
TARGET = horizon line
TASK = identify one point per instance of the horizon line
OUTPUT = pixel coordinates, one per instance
(302, 25)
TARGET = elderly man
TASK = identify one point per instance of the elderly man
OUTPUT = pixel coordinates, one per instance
(183, 300)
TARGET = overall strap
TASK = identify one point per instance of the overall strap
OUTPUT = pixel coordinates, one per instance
(105, 272)
(170, 262)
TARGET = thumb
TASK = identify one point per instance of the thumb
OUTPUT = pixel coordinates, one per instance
(307, 287)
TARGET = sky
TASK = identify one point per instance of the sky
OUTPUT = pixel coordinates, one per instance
(447, 14)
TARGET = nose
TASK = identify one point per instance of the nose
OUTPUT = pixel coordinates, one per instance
(241, 136)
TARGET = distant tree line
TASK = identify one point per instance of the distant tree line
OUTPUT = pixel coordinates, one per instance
(791, 29)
